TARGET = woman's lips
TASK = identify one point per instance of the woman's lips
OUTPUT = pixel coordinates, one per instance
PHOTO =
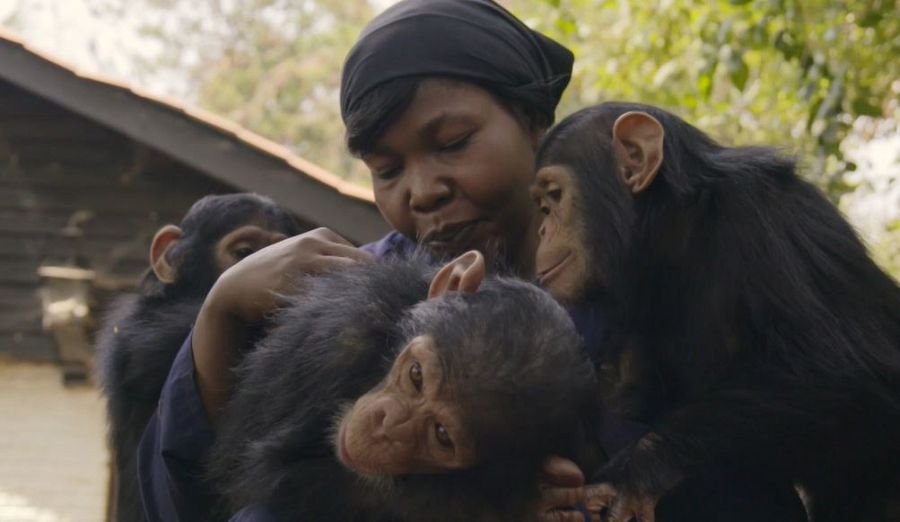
(451, 237)
(548, 274)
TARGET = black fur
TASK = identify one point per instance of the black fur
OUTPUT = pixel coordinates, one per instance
(769, 338)
(511, 358)
(142, 332)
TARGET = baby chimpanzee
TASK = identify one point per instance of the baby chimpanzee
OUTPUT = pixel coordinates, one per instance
(396, 392)
(141, 334)
(754, 328)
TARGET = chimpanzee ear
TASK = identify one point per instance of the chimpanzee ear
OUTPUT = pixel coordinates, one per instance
(638, 143)
(463, 274)
(163, 241)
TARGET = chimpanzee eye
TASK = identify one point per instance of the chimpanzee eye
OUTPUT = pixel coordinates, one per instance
(243, 252)
(555, 194)
(440, 433)
(415, 375)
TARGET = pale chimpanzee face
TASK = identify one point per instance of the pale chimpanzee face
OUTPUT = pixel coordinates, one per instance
(562, 259)
(407, 425)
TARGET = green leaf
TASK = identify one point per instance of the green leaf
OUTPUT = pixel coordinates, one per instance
(567, 27)
(739, 2)
(704, 85)
(813, 112)
(839, 187)
(870, 19)
(862, 107)
(738, 71)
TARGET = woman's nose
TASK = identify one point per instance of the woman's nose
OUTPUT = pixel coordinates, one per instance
(429, 191)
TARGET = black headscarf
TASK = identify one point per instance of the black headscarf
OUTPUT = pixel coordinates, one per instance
(468, 39)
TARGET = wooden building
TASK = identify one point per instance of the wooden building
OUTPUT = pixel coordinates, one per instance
(89, 170)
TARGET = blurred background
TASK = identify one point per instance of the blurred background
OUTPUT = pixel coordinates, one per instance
(98, 98)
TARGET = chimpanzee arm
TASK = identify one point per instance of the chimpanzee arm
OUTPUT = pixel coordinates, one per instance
(757, 410)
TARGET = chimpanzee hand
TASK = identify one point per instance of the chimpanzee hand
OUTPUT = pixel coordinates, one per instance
(561, 489)
(611, 505)
(249, 290)
(630, 485)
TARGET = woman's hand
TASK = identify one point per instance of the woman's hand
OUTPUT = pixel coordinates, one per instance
(249, 290)
(562, 488)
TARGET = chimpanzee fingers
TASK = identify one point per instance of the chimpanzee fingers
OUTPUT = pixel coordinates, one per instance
(561, 472)
(646, 512)
(599, 496)
(560, 498)
(561, 516)
(620, 511)
(600, 501)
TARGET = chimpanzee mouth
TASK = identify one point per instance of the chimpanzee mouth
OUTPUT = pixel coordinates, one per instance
(547, 274)
(342, 453)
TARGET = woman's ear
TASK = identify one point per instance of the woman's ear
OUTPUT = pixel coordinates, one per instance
(463, 274)
(164, 240)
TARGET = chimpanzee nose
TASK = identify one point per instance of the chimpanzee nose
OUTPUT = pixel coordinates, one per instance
(389, 416)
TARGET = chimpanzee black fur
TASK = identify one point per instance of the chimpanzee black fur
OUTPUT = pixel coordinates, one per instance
(768, 337)
(510, 355)
(142, 332)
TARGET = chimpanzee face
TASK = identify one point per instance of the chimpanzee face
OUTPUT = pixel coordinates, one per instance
(408, 424)
(562, 259)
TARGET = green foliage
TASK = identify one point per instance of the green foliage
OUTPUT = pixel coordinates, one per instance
(887, 251)
(794, 73)
(271, 65)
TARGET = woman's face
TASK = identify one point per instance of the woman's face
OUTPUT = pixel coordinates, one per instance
(454, 172)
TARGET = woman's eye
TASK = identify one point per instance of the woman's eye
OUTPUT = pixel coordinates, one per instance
(443, 438)
(415, 375)
(387, 174)
(457, 144)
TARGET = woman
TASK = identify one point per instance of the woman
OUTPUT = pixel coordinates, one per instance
(445, 101)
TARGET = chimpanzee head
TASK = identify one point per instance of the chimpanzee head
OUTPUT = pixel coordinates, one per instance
(217, 232)
(492, 374)
(593, 169)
